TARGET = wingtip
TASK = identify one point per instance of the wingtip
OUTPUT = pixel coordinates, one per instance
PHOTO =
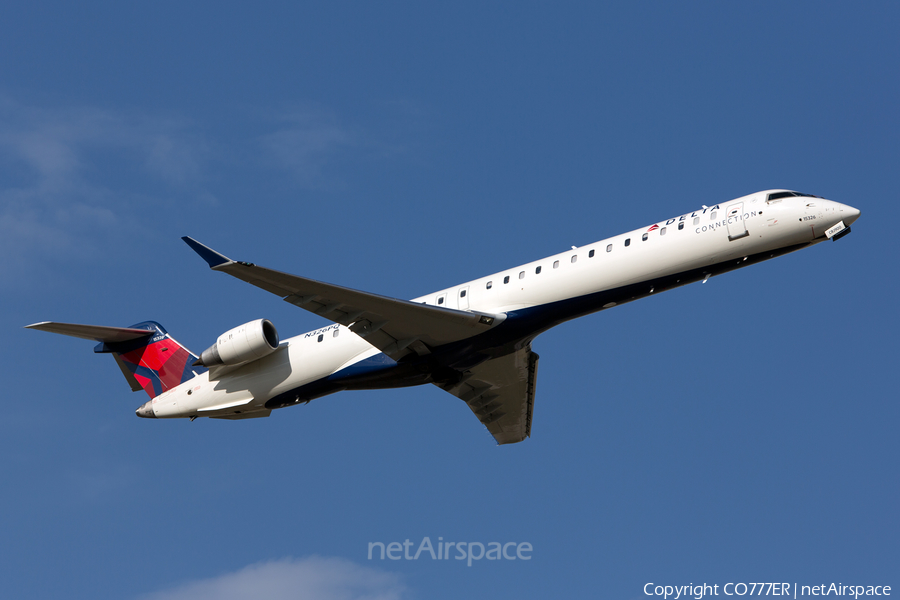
(213, 258)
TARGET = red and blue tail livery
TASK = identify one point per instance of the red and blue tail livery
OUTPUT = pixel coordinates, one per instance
(156, 362)
(149, 357)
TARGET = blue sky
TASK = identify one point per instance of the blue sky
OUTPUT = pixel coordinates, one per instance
(741, 430)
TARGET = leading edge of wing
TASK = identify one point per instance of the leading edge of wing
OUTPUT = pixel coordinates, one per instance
(396, 327)
(98, 333)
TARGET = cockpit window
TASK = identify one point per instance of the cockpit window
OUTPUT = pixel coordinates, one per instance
(780, 195)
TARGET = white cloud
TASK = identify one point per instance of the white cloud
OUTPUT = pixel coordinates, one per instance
(306, 143)
(314, 144)
(313, 577)
(58, 146)
(67, 173)
(78, 181)
(47, 154)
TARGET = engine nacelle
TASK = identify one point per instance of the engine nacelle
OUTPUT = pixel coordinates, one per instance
(248, 342)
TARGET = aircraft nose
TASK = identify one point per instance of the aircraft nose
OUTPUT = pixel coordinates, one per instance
(848, 214)
(146, 410)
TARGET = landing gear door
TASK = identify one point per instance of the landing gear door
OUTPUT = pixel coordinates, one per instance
(737, 228)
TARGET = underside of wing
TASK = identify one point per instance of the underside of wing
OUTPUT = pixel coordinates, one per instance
(396, 327)
(92, 332)
(500, 392)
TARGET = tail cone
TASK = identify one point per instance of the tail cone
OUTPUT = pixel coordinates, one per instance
(146, 410)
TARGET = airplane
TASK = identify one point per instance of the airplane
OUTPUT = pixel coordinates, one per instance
(472, 340)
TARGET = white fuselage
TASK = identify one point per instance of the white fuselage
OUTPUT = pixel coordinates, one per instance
(730, 232)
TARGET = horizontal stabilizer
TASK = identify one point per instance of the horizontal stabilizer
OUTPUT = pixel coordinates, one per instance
(149, 358)
(99, 333)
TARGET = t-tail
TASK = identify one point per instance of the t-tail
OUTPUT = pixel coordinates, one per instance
(150, 359)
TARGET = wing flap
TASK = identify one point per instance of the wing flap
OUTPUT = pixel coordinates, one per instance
(500, 392)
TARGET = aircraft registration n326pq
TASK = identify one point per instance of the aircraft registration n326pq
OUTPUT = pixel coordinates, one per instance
(472, 340)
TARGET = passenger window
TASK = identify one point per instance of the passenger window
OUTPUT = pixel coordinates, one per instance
(506, 279)
(591, 254)
(489, 284)
(537, 270)
(321, 336)
(627, 242)
(662, 231)
(574, 257)
(336, 332)
(696, 220)
(555, 264)
(644, 237)
(521, 274)
(609, 247)
(681, 226)
(712, 216)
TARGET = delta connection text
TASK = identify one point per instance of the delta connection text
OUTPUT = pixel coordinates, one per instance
(728, 220)
(442, 550)
(764, 589)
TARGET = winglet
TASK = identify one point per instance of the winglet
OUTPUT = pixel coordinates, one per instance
(206, 253)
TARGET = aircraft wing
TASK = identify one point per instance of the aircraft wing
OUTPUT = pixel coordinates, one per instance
(500, 392)
(396, 327)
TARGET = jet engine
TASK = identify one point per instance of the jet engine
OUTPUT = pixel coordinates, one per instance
(248, 342)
